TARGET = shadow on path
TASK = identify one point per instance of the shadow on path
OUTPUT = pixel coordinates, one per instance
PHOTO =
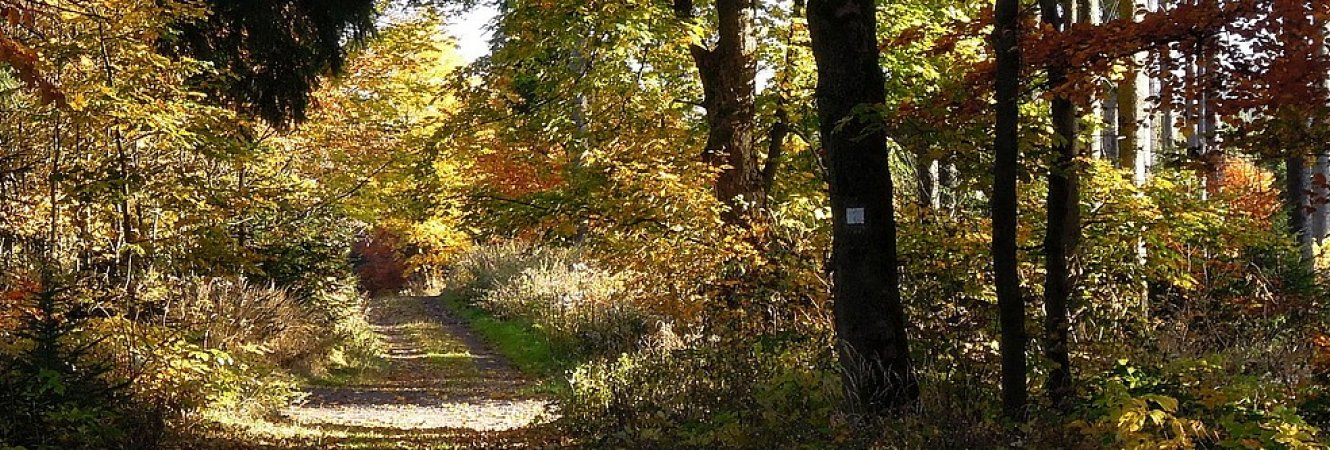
(442, 387)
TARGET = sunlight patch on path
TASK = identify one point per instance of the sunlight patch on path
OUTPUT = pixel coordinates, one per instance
(441, 385)
(481, 415)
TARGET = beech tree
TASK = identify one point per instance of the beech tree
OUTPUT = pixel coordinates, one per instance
(870, 321)
(728, 72)
(1064, 219)
(1003, 206)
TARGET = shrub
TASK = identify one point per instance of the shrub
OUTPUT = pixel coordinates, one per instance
(585, 309)
(224, 348)
(230, 315)
(1190, 402)
(56, 390)
(708, 392)
(582, 309)
(488, 266)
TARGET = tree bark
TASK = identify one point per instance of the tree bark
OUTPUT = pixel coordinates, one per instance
(1295, 195)
(1129, 105)
(927, 169)
(1298, 52)
(1108, 137)
(1063, 230)
(870, 320)
(728, 73)
(1320, 221)
(1006, 165)
(775, 147)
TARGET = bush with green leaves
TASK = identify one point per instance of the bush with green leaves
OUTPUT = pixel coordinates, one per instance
(79, 374)
(1190, 403)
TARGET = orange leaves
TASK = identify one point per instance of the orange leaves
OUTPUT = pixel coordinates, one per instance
(1249, 189)
(381, 264)
(513, 176)
(15, 303)
(24, 62)
(1089, 49)
(21, 58)
(1321, 361)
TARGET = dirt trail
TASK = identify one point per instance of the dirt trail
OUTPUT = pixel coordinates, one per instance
(442, 388)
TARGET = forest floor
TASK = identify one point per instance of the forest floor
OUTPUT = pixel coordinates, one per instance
(441, 388)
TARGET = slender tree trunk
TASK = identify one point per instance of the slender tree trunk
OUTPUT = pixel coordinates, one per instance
(1063, 229)
(1166, 102)
(1320, 222)
(577, 149)
(1109, 142)
(1295, 194)
(870, 320)
(1214, 156)
(1006, 165)
(946, 183)
(775, 146)
(728, 73)
(927, 170)
(1320, 186)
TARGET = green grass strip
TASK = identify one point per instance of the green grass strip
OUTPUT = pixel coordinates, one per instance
(517, 341)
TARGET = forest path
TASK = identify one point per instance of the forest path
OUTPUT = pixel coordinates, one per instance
(442, 387)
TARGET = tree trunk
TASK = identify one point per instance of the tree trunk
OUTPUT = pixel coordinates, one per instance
(1129, 106)
(1006, 165)
(946, 184)
(775, 146)
(728, 73)
(1320, 186)
(870, 321)
(1063, 229)
(1109, 135)
(1295, 196)
(1300, 50)
(1166, 141)
(1320, 222)
(927, 169)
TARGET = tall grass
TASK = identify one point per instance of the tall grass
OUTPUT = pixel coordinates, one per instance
(580, 308)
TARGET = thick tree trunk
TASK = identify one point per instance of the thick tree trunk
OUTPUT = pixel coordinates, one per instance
(1063, 231)
(728, 73)
(870, 320)
(1299, 51)
(1006, 165)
